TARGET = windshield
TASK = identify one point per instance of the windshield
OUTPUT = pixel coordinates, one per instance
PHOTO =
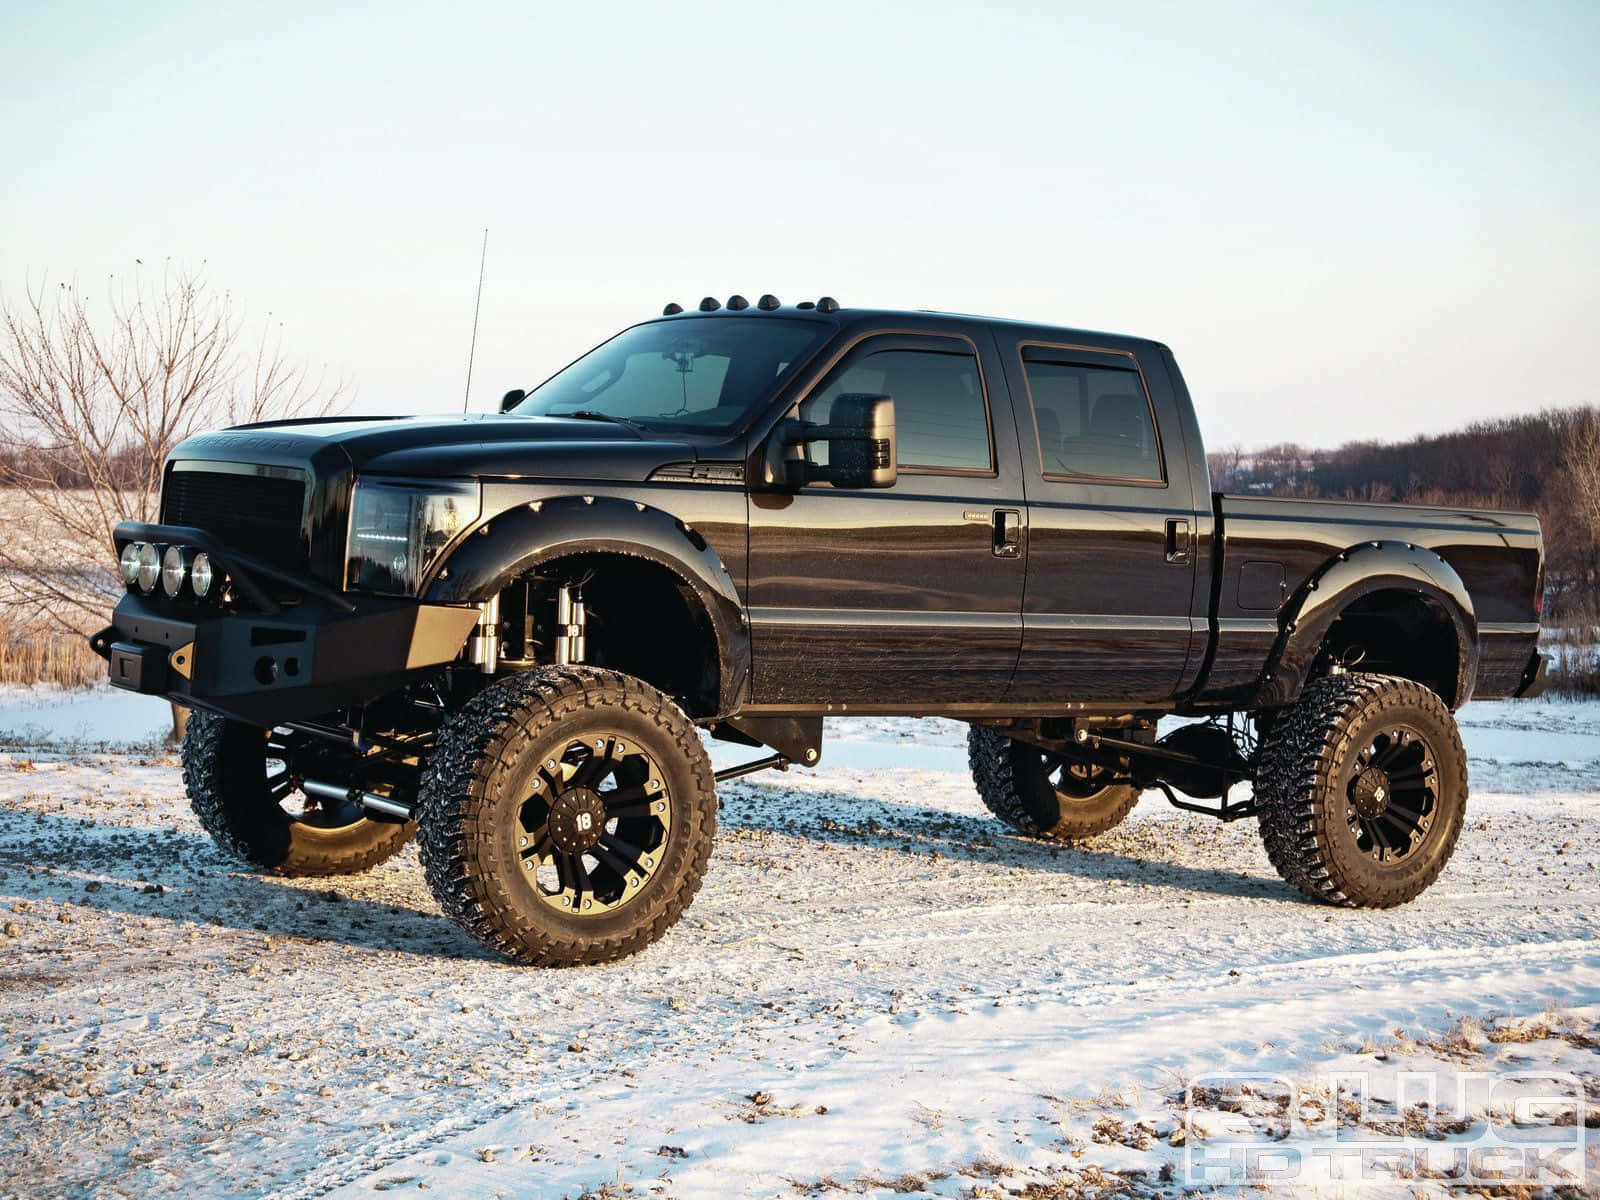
(697, 374)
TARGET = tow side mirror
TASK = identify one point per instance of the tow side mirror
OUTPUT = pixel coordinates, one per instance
(512, 398)
(861, 444)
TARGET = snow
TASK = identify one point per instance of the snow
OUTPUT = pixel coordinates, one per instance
(878, 992)
(101, 716)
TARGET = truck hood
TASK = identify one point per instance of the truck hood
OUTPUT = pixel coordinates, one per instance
(471, 444)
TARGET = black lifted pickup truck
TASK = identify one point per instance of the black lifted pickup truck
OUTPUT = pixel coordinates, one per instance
(507, 633)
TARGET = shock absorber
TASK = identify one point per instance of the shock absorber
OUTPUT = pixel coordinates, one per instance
(485, 648)
(571, 618)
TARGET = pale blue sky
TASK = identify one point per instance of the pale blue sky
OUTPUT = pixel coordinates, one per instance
(1348, 220)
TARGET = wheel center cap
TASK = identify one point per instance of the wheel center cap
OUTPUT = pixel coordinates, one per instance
(1371, 792)
(577, 819)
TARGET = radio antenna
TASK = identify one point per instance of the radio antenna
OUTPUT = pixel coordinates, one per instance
(477, 304)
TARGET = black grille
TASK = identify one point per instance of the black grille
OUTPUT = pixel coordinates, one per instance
(261, 515)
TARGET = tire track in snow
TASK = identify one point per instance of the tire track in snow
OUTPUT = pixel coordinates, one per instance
(1445, 973)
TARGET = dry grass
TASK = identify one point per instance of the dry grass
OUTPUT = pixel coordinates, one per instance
(1082, 1183)
(1573, 641)
(43, 639)
(32, 655)
(1576, 669)
(1576, 1031)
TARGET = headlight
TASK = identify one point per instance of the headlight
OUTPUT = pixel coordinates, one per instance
(149, 567)
(200, 574)
(130, 562)
(399, 528)
(173, 570)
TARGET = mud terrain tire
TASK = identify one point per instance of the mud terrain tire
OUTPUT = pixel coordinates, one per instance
(1015, 785)
(1362, 790)
(514, 789)
(225, 774)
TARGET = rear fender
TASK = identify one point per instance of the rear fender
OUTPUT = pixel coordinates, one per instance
(517, 541)
(1341, 581)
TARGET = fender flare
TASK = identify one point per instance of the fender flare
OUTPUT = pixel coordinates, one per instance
(511, 543)
(1341, 581)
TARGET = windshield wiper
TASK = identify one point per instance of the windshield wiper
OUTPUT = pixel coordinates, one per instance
(588, 414)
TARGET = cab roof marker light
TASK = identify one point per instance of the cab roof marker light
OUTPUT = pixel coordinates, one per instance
(737, 303)
(709, 304)
(672, 309)
(768, 302)
(827, 304)
(805, 304)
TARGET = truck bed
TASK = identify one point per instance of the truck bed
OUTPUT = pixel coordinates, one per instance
(1271, 548)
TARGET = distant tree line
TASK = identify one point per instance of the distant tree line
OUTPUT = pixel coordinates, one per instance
(1547, 462)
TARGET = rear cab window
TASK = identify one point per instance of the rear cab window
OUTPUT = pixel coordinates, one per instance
(1093, 419)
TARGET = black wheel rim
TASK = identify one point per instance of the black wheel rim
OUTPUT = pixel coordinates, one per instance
(286, 768)
(1392, 796)
(1075, 780)
(593, 829)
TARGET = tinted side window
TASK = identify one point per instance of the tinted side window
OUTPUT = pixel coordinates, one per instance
(941, 419)
(1092, 421)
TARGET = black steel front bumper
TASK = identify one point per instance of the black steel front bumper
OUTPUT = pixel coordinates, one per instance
(290, 660)
(306, 659)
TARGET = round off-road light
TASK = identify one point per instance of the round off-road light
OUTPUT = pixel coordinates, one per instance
(200, 573)
(149, 567)
(173, 570)
(130, 563)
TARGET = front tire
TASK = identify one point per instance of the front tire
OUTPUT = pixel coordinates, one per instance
(1041, 795)
(241, 781)
(1362, 790)
(567, 816)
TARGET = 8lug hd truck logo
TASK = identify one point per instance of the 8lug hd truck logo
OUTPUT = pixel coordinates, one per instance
(1370, 1126)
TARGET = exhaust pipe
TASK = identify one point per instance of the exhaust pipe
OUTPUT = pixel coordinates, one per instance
(367, 800)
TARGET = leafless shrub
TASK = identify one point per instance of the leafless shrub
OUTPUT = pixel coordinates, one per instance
(94, 391)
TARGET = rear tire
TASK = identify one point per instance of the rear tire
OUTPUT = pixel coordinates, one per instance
(1042, 798)
(239, 796)
(567, 816)
(1362, 790)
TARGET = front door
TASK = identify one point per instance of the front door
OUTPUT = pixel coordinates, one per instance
(904, 598)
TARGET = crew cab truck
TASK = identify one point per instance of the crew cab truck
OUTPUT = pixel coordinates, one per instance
(507, 633)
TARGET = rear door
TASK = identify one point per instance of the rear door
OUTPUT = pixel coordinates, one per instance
(902, 598)
(1111, 555)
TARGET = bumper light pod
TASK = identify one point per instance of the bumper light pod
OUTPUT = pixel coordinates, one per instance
(200, 574)
(174, 569)
(130, 563)
(149, 567)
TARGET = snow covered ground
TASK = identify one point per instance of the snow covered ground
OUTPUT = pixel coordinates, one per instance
(878, 992)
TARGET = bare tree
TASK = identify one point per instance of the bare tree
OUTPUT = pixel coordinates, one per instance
(1580, 471)
(1225, 464)
(94, 393)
